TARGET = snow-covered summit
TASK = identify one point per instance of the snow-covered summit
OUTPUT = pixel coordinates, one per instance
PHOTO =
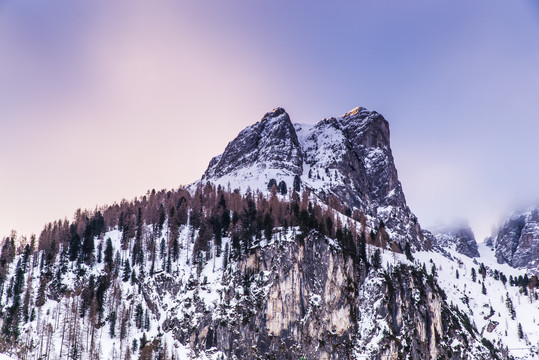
(348, 157)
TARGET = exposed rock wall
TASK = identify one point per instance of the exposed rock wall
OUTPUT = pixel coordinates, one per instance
(296, 299)
(517, 241)
(309, 299)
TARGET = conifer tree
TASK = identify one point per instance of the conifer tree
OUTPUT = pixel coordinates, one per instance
(268, 226)
(99, 252)
(503, 278)
(117, 262)
(408, 252)
(283, 188)
(108, 254)
(297, 183)
(376, 260)
(74, 244)
(271, 184)
(127, 271)
(225, 257)
(139, 316)
(112, 321)
(483, 270)
(86, 254)
(363, 251)
(147, 321)
(225, 221)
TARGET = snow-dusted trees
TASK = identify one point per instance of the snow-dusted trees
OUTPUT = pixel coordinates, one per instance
(149, 237)
(10, 328)
(6, 257)
(201, 247)
(510, 307)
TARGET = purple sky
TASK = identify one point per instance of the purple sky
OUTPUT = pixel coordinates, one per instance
(101, 101)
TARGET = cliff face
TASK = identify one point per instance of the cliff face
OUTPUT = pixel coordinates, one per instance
(517, 241)
(417, 320)
(348, 157)
(309, 298)
(300, 302)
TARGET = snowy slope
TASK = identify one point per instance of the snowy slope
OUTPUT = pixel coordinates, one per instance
(468, 296)
(57, 320)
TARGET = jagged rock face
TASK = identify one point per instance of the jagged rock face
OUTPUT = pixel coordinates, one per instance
(416, 319)
(517, 241)
(360, 143)
(271, 143)
(348, 157)
(460, 239)
(298, 300)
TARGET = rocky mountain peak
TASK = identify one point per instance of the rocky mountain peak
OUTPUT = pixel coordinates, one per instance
(517, 240)
(354, 111)
(269, 145)
(460, 238)
(348, 157)
(277, 112)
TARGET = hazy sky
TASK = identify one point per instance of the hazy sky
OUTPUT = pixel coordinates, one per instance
(102, 100)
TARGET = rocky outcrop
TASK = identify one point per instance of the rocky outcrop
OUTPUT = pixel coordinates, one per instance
(517, 240)
(271, 143)
(348, 157)
(309, 299)
(284, 301)
(417, 320)
(460, 239)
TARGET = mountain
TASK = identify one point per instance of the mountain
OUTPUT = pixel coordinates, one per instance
(461, 239)
(517, 240)
(324, 262)
(348, 158)
(219, 275)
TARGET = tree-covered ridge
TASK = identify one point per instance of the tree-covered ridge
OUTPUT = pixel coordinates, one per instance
(149, 228)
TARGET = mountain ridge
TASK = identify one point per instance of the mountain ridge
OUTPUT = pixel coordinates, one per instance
(330, 265)
(348, 157)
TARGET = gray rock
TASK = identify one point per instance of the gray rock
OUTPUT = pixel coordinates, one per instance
(308, 299)
(348, 157)
(271, 142)
(517, 241)
(461, 239)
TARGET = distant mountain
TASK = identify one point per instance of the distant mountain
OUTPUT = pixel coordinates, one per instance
(517, 240)
(348, 158)
(461, 239)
